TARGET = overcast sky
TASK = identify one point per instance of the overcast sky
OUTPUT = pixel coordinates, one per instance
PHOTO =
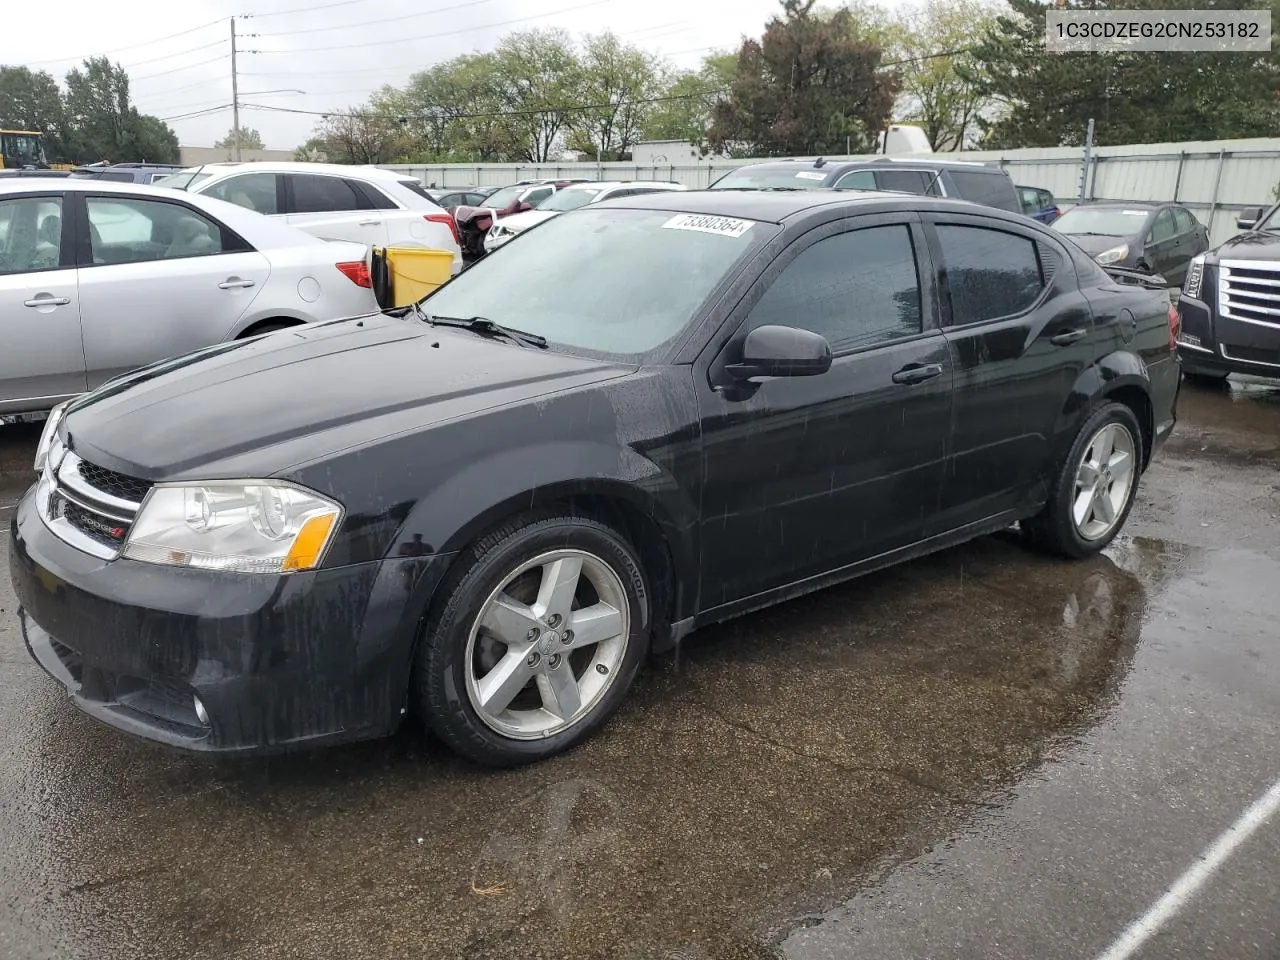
(331, 50)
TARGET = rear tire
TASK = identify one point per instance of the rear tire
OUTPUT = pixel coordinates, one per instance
(1095, 488)
(540, 635)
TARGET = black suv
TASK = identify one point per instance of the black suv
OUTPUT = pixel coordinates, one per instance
(486, 508)
(1230, 304)
(976, 182)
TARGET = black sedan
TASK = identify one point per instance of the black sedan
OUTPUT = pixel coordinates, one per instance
(485, 509)
(1153, 238)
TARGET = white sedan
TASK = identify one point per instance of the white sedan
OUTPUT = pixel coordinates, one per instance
(570, 198)
(99, 278)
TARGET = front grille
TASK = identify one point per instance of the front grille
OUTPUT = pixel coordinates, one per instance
(1250, 291)
(104, 530)
(1252, 355)
(110, 482)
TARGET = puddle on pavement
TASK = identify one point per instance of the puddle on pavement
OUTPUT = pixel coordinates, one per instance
(751, 781)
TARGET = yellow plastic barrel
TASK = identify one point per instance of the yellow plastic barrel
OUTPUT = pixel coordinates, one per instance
(415, 272)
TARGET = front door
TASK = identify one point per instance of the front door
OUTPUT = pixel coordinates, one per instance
(162, 279)
(1162, 249)
(41, 359)
(1019, 341)
(808, 474)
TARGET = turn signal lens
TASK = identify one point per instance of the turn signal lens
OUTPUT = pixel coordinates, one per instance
(309, 543)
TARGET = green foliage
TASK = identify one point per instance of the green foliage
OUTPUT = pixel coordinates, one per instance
(688, 115)
(93, 120)
(812, 84)
(250, 139)
(1132, 97)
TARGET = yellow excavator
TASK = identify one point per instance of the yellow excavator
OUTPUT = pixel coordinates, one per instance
(24, 150)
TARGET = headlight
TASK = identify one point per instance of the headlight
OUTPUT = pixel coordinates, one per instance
(49, 435)
(238, 526)
(1114, 254)
(1195, 274)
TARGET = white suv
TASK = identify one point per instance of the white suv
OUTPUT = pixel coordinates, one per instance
(334, 202)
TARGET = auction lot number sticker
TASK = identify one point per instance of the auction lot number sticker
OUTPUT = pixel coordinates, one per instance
(723, 226)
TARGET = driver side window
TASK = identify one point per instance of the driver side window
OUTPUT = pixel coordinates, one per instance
(30, 234)
(535, 197)
(856, 289)
(1164, 227)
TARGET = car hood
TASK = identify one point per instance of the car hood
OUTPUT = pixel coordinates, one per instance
(261, 406)
(1095, 245)
(1250, 246)
(530, 218)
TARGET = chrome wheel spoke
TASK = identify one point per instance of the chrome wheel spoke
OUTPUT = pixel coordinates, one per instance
(1121, 465)
(1082, 510)
(1103, 508)
(1087, 475)
(1104, 444)
(594, 624)
(509, 620)
(559, 584)
(559, 689)
(499, 686)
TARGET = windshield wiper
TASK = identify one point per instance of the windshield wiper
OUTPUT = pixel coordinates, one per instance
(483, 325)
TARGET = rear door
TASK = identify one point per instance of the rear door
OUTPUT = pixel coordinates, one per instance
(333, 208)
(158, 278)
(1020, 333)
(40, 349)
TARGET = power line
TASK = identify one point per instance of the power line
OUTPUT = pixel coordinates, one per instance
(189, 66)
(433, 36)
(369, 23)
(196, 113)
(281, 13)
(170, 56)
(132, 46)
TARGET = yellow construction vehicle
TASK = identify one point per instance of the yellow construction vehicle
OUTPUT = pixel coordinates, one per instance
(24, 150)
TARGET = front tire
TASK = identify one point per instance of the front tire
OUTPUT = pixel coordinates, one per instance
(1094, 491)
(539, 638)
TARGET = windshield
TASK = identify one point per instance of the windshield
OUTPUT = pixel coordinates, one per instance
(1111, 222)
(505, 197)
(23, 150)
(755, 178)
(569, 199)
(182, 180)
(650, 273)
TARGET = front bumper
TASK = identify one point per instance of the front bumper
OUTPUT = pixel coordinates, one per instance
(276, 661)
(1214, 344)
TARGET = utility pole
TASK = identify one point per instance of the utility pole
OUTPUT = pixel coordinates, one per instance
(235, 98)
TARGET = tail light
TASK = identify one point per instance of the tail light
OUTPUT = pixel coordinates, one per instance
(357, 271)
(1175, 322)
(447, 221)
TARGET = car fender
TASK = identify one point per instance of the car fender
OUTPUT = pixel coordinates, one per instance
(511, 481)
(1114, 372)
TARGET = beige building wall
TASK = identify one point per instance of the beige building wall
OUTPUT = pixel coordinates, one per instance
(194, 156)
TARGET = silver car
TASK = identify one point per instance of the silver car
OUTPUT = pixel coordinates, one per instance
(100, 278)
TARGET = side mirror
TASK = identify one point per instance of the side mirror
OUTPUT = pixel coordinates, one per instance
(1249, 218)
(776, 351)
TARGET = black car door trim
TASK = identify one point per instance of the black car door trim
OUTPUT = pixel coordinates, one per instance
(930, 222)
(732, 328)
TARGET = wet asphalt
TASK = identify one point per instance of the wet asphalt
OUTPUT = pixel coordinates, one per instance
(982, 754)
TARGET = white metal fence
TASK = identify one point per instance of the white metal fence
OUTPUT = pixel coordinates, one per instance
(1214, 179)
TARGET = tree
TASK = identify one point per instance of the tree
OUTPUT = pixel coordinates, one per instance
(102, 124)
(249, 140)
(538, 74)
(32, 101)
(621, 77)
(941, 80)
(687, 115)
(812, 84)
(1048, 99)
(361, 135)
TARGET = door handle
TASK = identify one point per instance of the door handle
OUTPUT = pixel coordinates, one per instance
(47, 302)
(1068, 338)
(230, 284)
(369, 223)
(917, 373)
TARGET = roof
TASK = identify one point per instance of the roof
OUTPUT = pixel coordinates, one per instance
(298, 166)
(613, 184)
(85, 185)
(832, 166)
(775, 206)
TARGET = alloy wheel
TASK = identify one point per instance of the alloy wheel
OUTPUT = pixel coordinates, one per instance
(1104, 481)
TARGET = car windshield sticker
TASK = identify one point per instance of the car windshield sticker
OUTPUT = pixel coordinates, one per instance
(1135, 213)
(724, 226)
(810, 175)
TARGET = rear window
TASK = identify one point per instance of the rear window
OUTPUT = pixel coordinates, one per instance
(993, 189)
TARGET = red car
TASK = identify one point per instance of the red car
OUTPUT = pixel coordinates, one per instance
(474, 222)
